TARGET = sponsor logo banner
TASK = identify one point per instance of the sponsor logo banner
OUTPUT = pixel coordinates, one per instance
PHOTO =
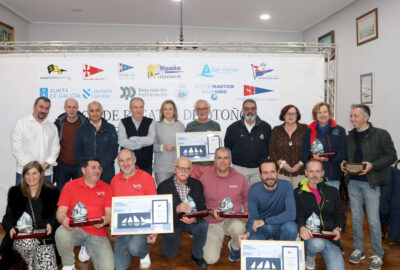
(159, 71)
(253, 90)
(89, 73)
(211, 71)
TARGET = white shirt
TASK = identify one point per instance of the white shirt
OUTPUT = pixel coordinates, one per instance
(248, 126)
(135, 142)
(31, 140)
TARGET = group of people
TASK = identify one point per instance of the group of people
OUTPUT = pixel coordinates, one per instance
(286, 180)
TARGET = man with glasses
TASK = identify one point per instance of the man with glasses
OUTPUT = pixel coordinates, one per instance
(187, 194)
(248, 139)
(201, 124)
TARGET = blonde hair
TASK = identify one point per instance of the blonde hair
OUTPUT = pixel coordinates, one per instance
(168, 101)
(318, 106)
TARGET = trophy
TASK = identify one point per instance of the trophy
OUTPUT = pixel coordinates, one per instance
(354, 168)
(25, 229)
(313, 223)
(79, 217)
(193, 211)
(317, 148)
(226, 210)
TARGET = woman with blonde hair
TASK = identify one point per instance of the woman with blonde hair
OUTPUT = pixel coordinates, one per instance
(36, 199)
(165, 141)
(325, 136)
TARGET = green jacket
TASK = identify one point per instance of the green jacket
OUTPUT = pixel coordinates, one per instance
(377, 148)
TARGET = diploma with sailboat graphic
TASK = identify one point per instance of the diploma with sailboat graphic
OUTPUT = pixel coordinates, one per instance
(198, 146)
(272, 255)
(141, 215)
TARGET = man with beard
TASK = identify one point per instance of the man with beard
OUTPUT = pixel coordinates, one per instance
(35, 138)
(248, 135)
(201, 124)
(187, 196)
(272, 207)
(132, 181)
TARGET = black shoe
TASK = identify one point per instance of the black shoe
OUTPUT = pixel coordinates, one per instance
(201, 263)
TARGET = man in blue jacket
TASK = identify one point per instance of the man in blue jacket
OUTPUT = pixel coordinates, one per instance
(248, 135)
(97, 138)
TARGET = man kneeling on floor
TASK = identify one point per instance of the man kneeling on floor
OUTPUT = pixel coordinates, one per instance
(272, 207)
(187, 194)
(319, 207)
(95, 195)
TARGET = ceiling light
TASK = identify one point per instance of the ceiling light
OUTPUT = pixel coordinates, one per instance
(176, 1)
(265, 16)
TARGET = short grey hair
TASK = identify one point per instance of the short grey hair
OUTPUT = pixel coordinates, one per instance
(224, 149)
(366, 110)
(135, 98)
(249, 100)
(95, 102)
(202, 100)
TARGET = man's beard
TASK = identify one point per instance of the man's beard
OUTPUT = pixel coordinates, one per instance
(268, 179)
(250, 117)
(41, 116)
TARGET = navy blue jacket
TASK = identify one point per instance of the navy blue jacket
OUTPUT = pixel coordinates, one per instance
(248, 149)
(102, 144)
(334, 140)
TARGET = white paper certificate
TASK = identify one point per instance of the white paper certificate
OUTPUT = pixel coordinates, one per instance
(290, 257)
(142, 214)
(160, 211)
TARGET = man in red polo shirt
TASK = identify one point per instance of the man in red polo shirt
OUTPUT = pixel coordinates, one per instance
(131, 181)
(96, 196)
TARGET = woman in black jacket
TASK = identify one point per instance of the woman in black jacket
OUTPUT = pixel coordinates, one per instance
(33, 193)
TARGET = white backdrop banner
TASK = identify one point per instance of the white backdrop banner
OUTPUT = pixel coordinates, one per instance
(223, 79)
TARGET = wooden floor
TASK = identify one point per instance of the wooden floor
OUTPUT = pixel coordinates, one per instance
(182, 261)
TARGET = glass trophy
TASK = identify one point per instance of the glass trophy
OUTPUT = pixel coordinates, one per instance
(354, 168)
(26, 230)
(317, 148)
(193, 211)
(79, 217)
(313, 223)
(226, 210)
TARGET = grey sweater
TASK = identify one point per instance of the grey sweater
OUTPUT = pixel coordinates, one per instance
(165, 134)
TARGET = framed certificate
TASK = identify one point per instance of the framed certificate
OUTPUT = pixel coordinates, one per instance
(198, 146)
(279, 255)
(142, 215)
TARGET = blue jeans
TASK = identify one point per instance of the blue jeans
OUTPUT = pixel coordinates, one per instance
(286, 232)
(128, 246)
(330, 252)
(360, 192)
(170, 241)
(18, 178)
(98, 247)
(64, 173)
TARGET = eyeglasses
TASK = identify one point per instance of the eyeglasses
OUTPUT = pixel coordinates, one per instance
(202, 109)
(248, 109)
(184, 169)
(291, 114)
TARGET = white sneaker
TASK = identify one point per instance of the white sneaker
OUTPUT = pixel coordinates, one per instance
(70, 267)
(145, 262)
(83, 256)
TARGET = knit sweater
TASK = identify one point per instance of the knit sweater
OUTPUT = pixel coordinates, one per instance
(274, 207)
(165, 134)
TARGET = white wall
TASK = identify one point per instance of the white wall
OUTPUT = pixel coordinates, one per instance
(21, 26)
(136, 33)
(381, 56)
